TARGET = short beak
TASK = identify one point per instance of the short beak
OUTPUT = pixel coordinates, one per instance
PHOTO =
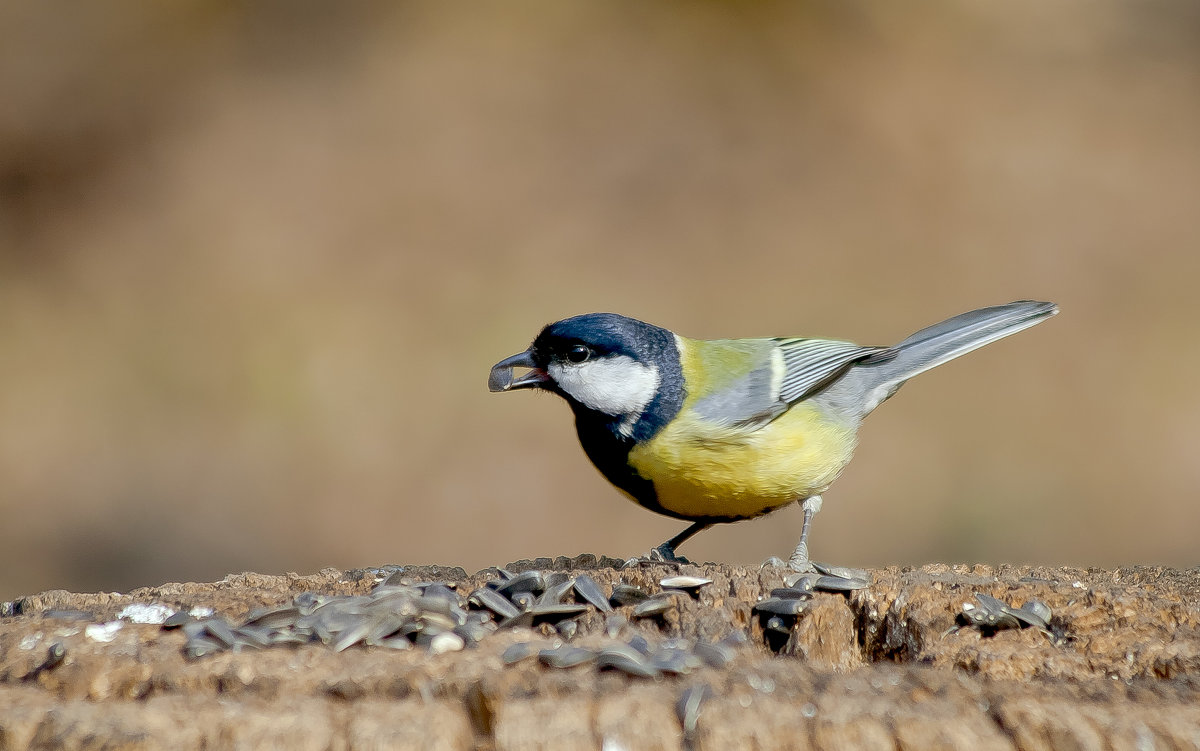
(501, 377)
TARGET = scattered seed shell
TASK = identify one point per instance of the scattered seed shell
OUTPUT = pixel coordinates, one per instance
(627, 594)
(566, 656)
(789, 607)
(587, 588)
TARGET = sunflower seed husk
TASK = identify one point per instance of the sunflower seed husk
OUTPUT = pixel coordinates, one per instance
(447, 642)
(351, 636)
(627, 594)
(675, 660)
(827, 583)
(177, 619)
(626, 660)
(485, 597)
(278, 617)
(842, 572)
(524, 600)
(221, 631)
(689, 584)
(587, 588)
(778, 625)
(202, 646)
(689, 706)
(714, 655)
(803, 582)
(556, 613)
(792, 593)
(655, 607)
(639, 643)
(252, 636)
(613, 624)
(514, 653)
(394, 642)
(1034, 613)
(554, 594)
(780, 606)
(529, 581)
(566, 656)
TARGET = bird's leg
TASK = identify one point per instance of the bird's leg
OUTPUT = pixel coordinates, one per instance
(799, 561)
(667, 549)
(820, 576)
(665, 553)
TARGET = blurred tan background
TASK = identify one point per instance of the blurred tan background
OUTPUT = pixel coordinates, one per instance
(255, 263)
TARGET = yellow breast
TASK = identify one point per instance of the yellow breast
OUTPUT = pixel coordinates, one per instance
(701, 470)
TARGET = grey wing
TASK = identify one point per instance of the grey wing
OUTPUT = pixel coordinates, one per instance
(788, 370)
(811, 364)
(750, 401)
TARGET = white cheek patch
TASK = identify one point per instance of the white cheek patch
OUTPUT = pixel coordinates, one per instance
(613, 385)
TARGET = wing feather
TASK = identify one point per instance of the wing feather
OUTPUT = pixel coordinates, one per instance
(810, 364)
(781, 373)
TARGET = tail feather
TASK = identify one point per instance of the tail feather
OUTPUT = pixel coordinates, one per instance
(875, 379)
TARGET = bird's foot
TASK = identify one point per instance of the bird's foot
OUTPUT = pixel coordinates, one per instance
(776, 562)
(805, 574)
(837, 578)
(662, 555)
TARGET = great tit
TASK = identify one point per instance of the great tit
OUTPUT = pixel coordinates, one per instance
(723, 430)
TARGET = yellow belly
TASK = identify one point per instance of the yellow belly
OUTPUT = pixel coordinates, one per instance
(701, 470)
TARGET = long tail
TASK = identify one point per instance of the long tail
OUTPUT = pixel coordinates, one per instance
(875, 379)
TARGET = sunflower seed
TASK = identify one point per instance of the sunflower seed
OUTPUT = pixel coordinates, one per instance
(278, 617)
(307, 602)
(524, 600)
(351, 636)
(687, 709)
(252, 636)
(655, 607)
(777, 625)
(221, 631)
(394, 642)
(780, 606)
(842, 572)
(177, 620)
(828, 583)
(803, 582)
(626, 660)
(556, 613)
(202, 646)
(676, 661)
(485, 597)
(689, 584)
(639, 643)
(447, 642)
(627, 594)
(792, 593)
(587, 588)
(529, 581)
(566, 656)
(714, 655)
(514, 653)
(554, 594)
(1034, 613)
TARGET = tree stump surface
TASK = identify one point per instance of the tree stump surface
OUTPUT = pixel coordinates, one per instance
(881, 667)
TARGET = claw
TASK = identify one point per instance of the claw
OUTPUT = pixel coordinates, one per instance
(663, 555)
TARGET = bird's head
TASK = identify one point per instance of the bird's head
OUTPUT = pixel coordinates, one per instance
(599, 362)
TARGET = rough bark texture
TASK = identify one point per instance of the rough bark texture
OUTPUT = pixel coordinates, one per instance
(872, 669)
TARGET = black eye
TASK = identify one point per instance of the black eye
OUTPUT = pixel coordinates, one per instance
(578, 353)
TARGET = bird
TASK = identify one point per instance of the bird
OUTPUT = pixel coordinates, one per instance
(722, 430)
